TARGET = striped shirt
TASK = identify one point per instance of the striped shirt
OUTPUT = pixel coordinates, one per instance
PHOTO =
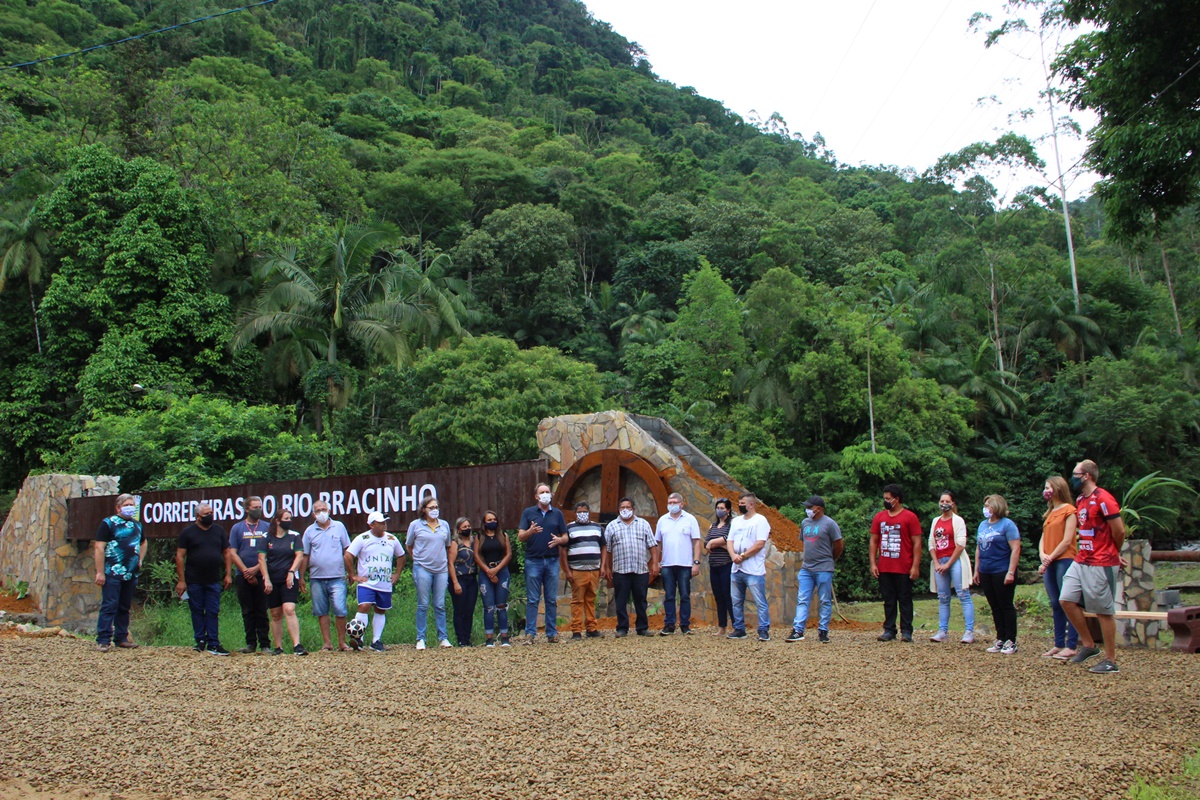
(720, 556)
(630, 545)
(583, 551)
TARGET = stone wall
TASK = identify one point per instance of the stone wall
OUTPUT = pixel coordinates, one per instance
(564, 440)
(1137, 584)
(34, 548)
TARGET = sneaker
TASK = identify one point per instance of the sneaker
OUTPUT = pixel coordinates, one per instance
(278, 651)
(217, 650)
(886, 636)
(968, 638)
(940, 636)
(1009, 648)
(996, 647)
(576, 637)
(128, 644)
(504, 642)
(1105, 667)
(666, 631)
(377, 646)
(1084, 654)
(594, 634)
(906, 637)
(489, 642)
(445, 643)
(551, 640)
(420, 644)
(200, 647)
(797, 635)
(764, 636)
(248, 650)
(686, 631)
(104, 648)
(823, 637)
(644, 633)
(528, 640)
(356, 642)
(737, 635)
(298, 650)
(621, 634)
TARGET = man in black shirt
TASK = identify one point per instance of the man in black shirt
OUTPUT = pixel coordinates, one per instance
(201, 556)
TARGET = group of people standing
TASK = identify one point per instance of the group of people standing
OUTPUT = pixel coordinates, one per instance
(1079, 559)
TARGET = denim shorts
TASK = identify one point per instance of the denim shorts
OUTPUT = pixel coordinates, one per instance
(381, 600)
(324, 589)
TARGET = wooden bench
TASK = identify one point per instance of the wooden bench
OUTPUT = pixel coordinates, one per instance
(1184, 624)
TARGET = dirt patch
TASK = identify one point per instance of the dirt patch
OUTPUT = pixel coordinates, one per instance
(595, 718)
(10, 604)
(785, 534)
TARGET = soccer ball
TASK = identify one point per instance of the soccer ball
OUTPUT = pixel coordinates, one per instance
(356, 628)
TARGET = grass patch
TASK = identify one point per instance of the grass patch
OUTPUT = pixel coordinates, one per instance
(1033, 610)
(1185, 786)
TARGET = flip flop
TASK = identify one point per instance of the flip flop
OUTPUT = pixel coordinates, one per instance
(1052, 652)
(1066, 654)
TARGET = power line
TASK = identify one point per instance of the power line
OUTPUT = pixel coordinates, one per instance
(134, 38)
(828, 84)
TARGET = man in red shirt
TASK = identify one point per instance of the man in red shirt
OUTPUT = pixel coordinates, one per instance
(896, 561)
(1091, 582)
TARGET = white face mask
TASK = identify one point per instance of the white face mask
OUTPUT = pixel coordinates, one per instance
(434, 513)
(581, 516)
(544, 498)
(673, 508)
(808, 512)
(322, 517)
(626, 513)
(127, 511)
(987, 513)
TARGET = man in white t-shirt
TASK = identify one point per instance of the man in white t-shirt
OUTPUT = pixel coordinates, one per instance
(679, 535)
(747, 542)
(375, 551)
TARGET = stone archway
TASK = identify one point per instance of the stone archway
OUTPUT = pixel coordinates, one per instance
(615, 466)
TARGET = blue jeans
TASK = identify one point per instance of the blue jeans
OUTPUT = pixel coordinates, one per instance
(757, 585)
(204, 599)
(823, 581)
(428, 583)
(327, 591)
(541, 580)
(116, 598)
(677, 578)
(950, 582)
(495, 602)
(1065, 634)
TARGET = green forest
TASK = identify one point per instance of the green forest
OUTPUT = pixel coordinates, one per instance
(320, 237)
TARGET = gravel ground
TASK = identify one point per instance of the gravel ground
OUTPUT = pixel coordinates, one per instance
(658, 717)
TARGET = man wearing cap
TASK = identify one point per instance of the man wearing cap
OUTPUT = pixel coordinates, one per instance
(375, 551)
(823, 546)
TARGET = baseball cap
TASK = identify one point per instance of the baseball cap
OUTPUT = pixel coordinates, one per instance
(815, 500)
(375, 516)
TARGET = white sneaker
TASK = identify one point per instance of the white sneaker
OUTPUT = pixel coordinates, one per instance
(445, 643)
(940, 636)
(1009, 648)
(420, 644)
(997, 647)
(968, 638)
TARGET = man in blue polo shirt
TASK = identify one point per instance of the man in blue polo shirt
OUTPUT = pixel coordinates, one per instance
(245, 538)
(542, 529)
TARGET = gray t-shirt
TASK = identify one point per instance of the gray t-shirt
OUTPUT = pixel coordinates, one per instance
(819, 536)
(428, 544)
(324, 549)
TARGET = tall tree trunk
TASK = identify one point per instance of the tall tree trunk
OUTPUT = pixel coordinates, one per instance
(37, 332)
(870, 396)
(995, 303)
(1062, 179)
(1170, 285)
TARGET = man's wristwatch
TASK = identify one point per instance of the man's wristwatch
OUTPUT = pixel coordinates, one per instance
(696, 563)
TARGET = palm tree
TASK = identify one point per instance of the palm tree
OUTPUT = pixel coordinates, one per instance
(1074, 334)
(23, 245)
(1136, 508)
(641, 320)
(356, 288)
(978, 379)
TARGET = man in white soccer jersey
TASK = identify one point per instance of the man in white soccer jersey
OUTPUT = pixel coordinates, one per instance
(374, 551)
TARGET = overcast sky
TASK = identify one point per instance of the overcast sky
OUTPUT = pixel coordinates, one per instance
(885, 82)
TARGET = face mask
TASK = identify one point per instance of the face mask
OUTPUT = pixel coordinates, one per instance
(205, 519)
(673, 508)
(889, 504)
(285, 524)
(322, 517)
(987, 514)
(808, 512)
(127, 511)
(254, 514)
(1076, 483)
(722, 513)
(945, 506)
(626, 513)
(491, 526)
(434, 513)
(544, 498)
(582, 516)
(741, 509)
(1048, 495)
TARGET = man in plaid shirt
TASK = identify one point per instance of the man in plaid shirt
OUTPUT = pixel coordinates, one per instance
(629, 547)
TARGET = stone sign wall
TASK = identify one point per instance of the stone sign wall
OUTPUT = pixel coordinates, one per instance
(34, 548)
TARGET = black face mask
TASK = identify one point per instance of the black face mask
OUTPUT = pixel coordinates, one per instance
(285, 525)
(254, 514)
(889, 504)
(491, 526)
(741, 509)
(205, 519)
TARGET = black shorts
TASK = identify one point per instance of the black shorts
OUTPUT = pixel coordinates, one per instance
(280, 594)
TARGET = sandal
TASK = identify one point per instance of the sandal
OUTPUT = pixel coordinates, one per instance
(327, 649)
(1065, 654)
(1052, 652)
(344, 648)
